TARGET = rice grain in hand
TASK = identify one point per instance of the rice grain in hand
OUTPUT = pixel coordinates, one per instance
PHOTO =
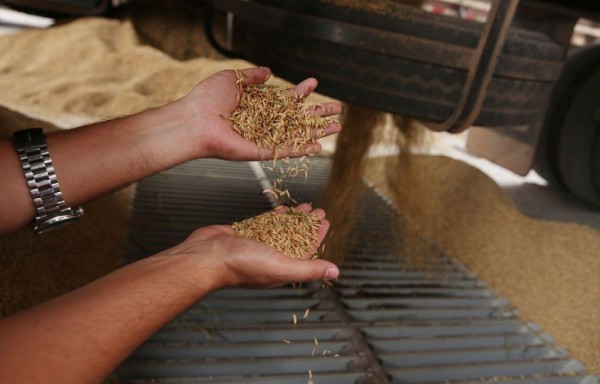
(275, 119)
(293, 233)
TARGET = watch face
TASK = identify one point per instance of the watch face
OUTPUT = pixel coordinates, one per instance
(57, 221)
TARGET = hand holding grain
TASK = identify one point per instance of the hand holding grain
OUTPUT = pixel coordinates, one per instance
(296, 232)
(238, 261)
(212, 102)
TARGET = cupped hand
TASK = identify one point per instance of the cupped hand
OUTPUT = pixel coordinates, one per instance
(216, 97)
(237, 261)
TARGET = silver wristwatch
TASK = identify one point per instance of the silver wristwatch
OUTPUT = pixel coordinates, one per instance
(50, 207)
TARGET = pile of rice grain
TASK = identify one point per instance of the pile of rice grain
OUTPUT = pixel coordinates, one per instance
(293, 233)
(273, 118)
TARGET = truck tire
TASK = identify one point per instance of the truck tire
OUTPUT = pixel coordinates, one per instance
(568, 153)
(394, 81)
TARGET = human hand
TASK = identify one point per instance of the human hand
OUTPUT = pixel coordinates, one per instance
(216, 97)
(237, 261)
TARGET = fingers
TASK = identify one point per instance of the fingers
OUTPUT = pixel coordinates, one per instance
(331, 129)
(305, 88)
(255, 75)
(281, 209)
(322, 231)
(262, 74)
(304, 207)
(328, 130)
(323, 228)
(307, 208)
(310, 149)
(319, 212)
(300, 271)
(325, 109)
(312, 270)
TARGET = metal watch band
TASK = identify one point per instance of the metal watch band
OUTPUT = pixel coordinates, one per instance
(41, 180)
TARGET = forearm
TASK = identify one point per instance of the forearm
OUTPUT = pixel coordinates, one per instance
(93, 160)
(96, 159)
(80, 337)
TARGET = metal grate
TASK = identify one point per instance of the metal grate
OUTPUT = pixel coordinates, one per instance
(384, 322)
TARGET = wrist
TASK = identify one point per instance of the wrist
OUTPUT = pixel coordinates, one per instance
(208, 272)
(181, 124)
(169, 135)
(196, 270)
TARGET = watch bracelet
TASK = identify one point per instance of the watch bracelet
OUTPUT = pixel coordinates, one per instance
(41, 180)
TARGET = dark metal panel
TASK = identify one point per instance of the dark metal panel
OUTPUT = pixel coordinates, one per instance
(302, 378)
(425, 283)
(415, 302)
(536, 379)
(263, 316)
(238, 334)
(237, 367)
(432, 358)
(258, 349)
(414, 292)
(469, 328)
(250, 304)
(516, 369)
(456, 343)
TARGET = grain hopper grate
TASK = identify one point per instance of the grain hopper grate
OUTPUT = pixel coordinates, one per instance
(384, 322)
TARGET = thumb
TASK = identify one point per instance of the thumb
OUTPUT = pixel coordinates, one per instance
(301, 271)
